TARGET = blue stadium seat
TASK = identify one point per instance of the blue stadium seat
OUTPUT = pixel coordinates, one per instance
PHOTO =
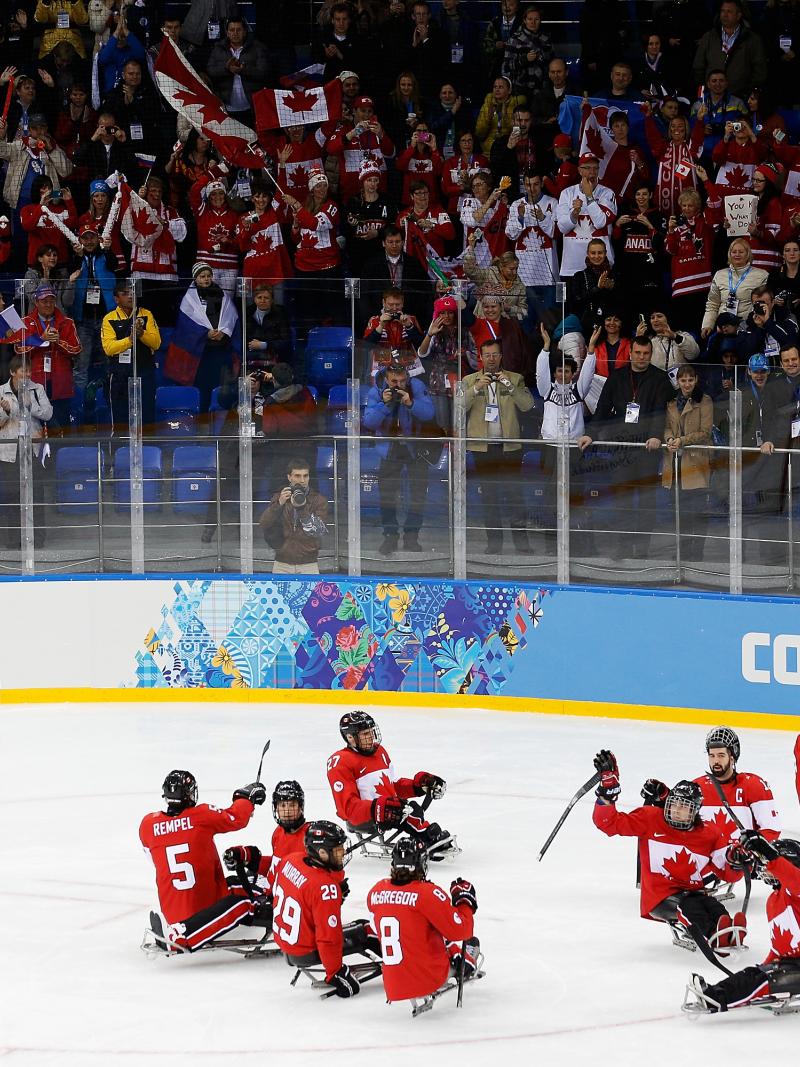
(194, 478)
(329, 355)
(102, 407)
(77, 486)
(336, 411)
(370, 498)
(151, 473)
(218, 414)
(177, 409)
(325, 471)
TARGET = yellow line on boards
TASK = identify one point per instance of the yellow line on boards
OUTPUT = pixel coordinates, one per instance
(369, 698)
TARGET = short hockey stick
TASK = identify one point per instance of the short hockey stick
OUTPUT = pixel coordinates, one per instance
(748, 880)
(460, 977)
(584, 789)
(261, 761)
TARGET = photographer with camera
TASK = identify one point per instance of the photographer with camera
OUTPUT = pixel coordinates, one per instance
(395, 334)
(736, 156)
(294, 522)
(768, 328)
(400, 409)
(107, 150)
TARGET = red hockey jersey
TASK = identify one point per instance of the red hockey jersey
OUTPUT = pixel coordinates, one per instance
(750, 799)
(356, 780)
(671, 860)
(283, 845)
(783, 912)
(414, 923)
(317, 248)
(216, 237)
(189, 874)
(261, 240)
(307, 905)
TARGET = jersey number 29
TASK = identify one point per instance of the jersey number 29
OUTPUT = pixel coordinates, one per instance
(286, 918)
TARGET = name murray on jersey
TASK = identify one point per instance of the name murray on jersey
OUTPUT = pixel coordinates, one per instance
(291, 873)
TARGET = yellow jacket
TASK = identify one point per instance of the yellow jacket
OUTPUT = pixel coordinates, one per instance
(78, 16)
(114, 345)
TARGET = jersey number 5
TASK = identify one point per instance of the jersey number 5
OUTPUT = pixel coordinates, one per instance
(185, 871)
(391, 949)
(286, 920)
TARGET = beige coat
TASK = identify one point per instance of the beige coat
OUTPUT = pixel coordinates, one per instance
(11, 424)
(693, 427)
(510, 402)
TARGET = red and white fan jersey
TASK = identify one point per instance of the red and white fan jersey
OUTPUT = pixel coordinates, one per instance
(534, 240)
(356, 780)
(671, 860)
(189, 874)
(783, 912)
(750, 799)
(307, 910)
(595, 219)
(216, 237)
(261, 240)
(414, 923)
(317, 248)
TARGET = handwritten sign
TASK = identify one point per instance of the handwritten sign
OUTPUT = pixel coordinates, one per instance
(740, 211)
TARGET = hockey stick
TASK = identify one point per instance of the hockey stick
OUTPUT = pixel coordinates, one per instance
(460, 977)
(748, 880)
(584, 789)
(261, 762)
(426, 803)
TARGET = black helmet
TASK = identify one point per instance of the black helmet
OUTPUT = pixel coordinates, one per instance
(352, 724)
(788, 849)
(724, 737)
(684, 792)
(323, 835)
(179, 790)
(409, 861)
(289, 790)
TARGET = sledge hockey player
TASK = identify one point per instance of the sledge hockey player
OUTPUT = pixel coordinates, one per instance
(778, 864)
(288, 809)
(748, 795)
(368, 794)
(421, 929)
(675, 848)
(195, 900)
(307, 896)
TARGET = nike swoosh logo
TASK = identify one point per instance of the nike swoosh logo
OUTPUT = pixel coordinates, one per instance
(659, 835)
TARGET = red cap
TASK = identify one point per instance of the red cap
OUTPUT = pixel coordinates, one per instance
(562, 140)
(364, 101)
(588, 157)
(88, 228)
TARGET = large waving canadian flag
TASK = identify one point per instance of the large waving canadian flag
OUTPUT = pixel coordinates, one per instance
(596, 134)
(181, 87)
(298, 106)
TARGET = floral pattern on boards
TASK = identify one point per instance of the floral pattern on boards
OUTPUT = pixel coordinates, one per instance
(353, 634)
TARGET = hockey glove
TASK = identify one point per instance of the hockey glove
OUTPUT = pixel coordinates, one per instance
(343, 982)
(469, 957)
(249, 856)
(388, 812)
(737, 857)
(256, 793)
(425, 782)
(463, 892)
(344, 888)
(654, 792)
(605, 763)
(753, 841)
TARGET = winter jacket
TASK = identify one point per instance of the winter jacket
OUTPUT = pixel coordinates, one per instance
(693, 427)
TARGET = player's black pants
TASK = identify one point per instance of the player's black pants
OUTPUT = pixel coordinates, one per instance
(223, 915)
(356, 937)
(691, 908)
(744, 986)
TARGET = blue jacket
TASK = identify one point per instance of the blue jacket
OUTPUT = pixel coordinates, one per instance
(380, 417)
(112, 59)
(104, 277)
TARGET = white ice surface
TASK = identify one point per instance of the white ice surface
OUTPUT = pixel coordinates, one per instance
(573, 974)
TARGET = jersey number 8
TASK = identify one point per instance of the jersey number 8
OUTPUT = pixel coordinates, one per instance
(391, 949)
(287, 911)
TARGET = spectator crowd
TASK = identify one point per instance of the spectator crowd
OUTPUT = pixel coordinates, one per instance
(594, 224)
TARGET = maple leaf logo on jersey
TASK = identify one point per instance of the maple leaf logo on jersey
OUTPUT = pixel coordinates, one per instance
(682, 867)
(309, 239)
(385, 787)
(722, 823)
(594, 142)
(783, 943)
(218, 232)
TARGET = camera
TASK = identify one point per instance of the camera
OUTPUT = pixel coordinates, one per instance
(423, 136)
(111, 129)
(55, 194)
(736, 127)
(396, 395)
(516, 131)
(299, 496)
(760, 308)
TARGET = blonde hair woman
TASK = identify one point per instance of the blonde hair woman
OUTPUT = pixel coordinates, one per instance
(501, 279)
(732, 286)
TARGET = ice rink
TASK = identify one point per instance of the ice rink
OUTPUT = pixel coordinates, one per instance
(574, 976)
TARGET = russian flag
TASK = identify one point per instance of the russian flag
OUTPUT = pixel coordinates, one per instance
(11, 324)
(191, 336)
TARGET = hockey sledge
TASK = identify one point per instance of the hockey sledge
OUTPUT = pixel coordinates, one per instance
(419, 1005)
(379, 846)
(370, 967)
(155, 947)
(682, 938)
(696, 1002)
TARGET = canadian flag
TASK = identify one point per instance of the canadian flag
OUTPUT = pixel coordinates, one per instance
(596, 135)
(181, 87)
(140, 223)
(299, 106)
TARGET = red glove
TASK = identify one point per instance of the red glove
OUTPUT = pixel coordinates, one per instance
(425, 782)
(388, 812)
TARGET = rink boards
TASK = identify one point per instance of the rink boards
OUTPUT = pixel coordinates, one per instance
(519, 647)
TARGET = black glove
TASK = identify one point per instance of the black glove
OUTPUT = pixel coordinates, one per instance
(425, 782)
(343, 982)
(256, 793)
(738, 857)
(463, 892)
(388, 812)
(469, 957)
(655, 792)
(247, 855)
(344, 888)
(753, 841)
(605, 763)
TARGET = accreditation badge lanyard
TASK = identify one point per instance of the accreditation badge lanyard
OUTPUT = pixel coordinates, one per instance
(796, 416)
(633, 408)
(733, 301)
